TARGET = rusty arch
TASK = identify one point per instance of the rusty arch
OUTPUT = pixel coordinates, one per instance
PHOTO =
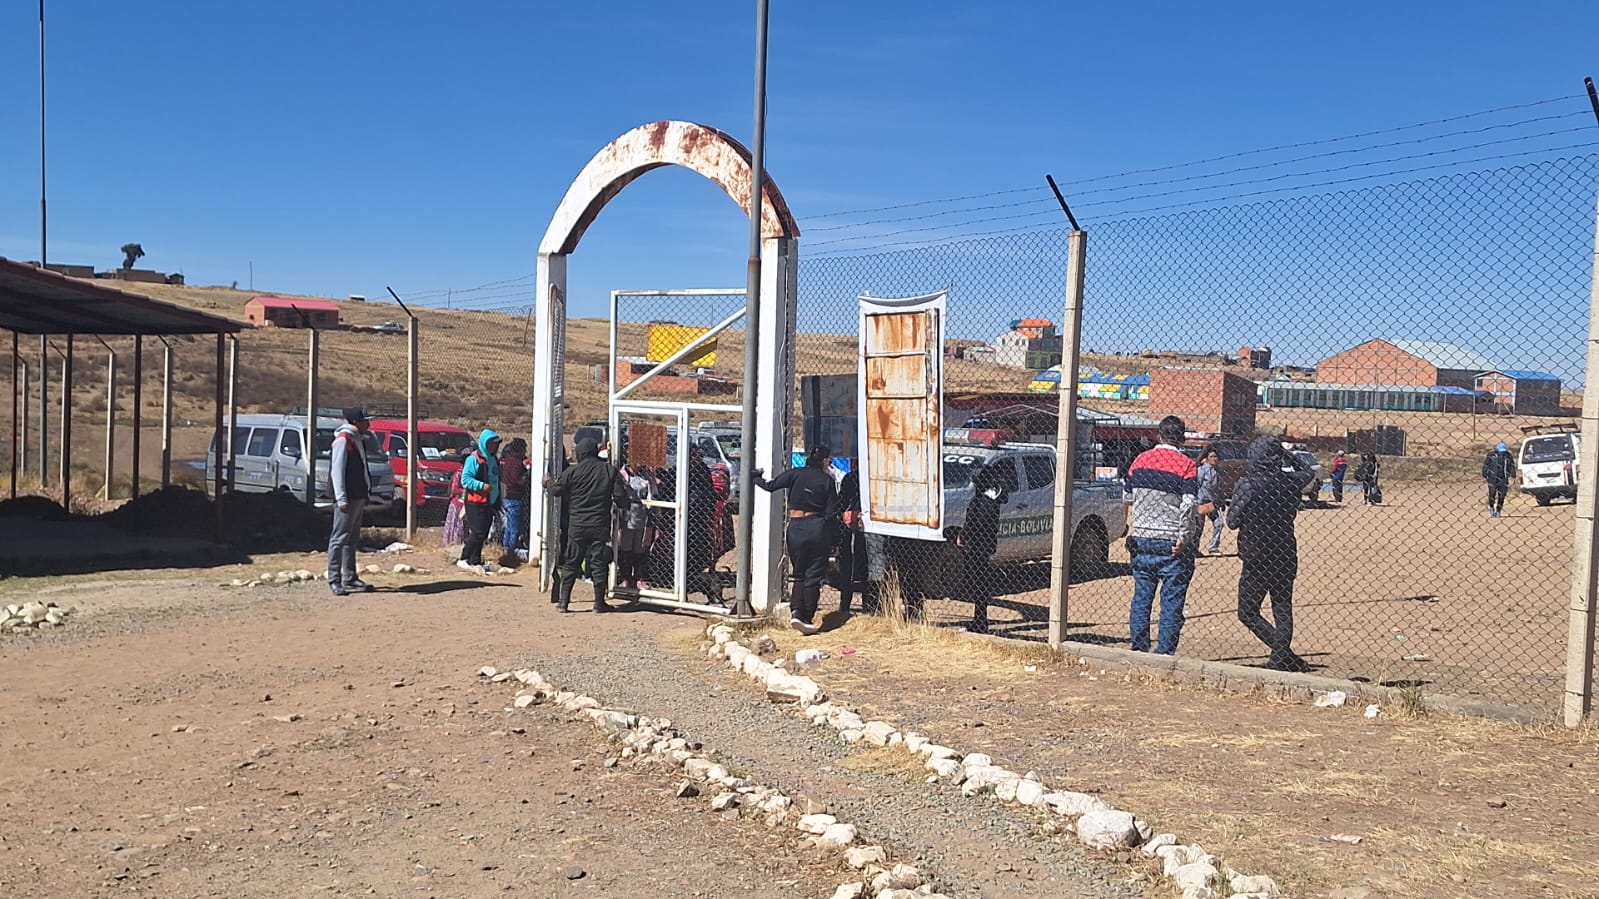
(699, 148)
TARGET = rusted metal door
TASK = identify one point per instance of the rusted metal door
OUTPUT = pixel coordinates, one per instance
(901, 420)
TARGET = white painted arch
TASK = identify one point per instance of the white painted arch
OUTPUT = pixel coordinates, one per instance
(726, 163)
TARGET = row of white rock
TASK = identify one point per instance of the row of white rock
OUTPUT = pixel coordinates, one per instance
(304, 575)
(1097, 825)
(655, 741)
(33, 615)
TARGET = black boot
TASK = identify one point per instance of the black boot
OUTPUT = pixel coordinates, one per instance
(563, 593)
(600, 604)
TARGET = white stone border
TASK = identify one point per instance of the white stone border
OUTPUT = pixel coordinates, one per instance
(1096, 823)
(656, 741)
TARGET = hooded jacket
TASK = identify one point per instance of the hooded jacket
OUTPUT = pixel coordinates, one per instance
(1264, 506)
(592, 490)
(1498, 467)
(480, 476)
(347, 466)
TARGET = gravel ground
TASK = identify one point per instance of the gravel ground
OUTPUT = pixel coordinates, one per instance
(969, 848)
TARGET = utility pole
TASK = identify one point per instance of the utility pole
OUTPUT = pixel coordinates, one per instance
(742, 607)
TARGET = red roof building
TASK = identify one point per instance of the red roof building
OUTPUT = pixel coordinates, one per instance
(291, 312)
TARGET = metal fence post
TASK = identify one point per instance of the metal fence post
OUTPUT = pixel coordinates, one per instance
(1579, 643)
(110, 418)
(1060, 570)
(413, 479)
(313, 360)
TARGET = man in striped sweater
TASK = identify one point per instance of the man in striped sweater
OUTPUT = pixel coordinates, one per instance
(1162, 535)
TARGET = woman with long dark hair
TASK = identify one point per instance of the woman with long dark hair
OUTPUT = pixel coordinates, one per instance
(813, 509)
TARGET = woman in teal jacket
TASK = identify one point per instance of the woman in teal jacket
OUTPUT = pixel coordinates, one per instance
(480, 489)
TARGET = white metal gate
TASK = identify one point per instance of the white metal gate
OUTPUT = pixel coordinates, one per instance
(677, 418)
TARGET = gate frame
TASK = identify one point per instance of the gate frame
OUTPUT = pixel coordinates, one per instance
(727, 163)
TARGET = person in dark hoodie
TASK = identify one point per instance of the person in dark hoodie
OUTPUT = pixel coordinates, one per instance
(1498, 467)
(1264, 505)
(813, 510)
(593, 490)
(978, 539)
(480, 489)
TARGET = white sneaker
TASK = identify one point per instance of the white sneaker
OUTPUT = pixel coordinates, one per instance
(464, 565)
(804, 627)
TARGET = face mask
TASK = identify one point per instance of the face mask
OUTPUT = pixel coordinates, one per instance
(991, 493)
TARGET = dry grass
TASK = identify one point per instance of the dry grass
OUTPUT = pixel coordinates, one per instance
(1261, 782)
(886, 761)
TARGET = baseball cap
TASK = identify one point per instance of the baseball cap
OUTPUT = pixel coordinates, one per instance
(355, 414)
(1502, 448)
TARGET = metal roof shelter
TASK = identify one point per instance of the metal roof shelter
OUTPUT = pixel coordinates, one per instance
(37, 301)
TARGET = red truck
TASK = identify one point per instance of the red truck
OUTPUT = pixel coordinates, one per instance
(443, 448)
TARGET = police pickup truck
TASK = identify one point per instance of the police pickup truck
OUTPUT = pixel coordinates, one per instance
(1027, 518)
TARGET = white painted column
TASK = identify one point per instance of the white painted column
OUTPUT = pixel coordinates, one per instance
(549, 337)
(774, 422)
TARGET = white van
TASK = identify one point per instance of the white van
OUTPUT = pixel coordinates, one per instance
(1547, 462)
(268, 453)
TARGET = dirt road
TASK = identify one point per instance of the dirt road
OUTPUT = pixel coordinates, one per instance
(176, 739)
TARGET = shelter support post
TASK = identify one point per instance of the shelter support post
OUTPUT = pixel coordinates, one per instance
(66, 427)
(774, 414)
(166, 415)
(110, 419)
(1060, 568)
(216, 421)
(44, 411)
(233, 409)
(16, 385)
(22, 426)
(1585, 573)
(313, 359)
(138, 414)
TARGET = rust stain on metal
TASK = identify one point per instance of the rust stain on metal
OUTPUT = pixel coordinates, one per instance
(712, 153)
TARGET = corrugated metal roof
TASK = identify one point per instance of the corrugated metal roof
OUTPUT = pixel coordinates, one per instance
(295, 302)
(1522, 374)
(38, 301)
(1445, 355)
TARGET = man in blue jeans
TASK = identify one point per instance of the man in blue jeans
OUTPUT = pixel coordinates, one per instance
(1162, 535)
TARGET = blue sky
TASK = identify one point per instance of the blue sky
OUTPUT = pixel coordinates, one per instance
(343, 147)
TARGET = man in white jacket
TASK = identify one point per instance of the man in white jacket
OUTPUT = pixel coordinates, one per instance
(352, 486)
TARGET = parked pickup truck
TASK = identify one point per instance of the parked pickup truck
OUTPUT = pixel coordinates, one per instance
(1027, 519)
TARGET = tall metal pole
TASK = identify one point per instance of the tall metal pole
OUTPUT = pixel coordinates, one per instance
(312, 361)
(1066, 448)
(217, 479)
(1585, 573)
(166, 415)
(138, 412)
(742, 607)
(44, 259)
(22, 435)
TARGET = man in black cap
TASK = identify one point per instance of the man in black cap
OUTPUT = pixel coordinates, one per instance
(352, 486)
(592, 490)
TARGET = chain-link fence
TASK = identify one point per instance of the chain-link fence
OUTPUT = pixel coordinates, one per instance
(1387, 378)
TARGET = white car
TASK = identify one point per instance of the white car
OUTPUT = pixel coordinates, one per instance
(1547, 462)
(1027, 519)
(1306, 463)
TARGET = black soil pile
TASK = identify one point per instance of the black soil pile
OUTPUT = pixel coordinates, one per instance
(253, 522)
(37, 508)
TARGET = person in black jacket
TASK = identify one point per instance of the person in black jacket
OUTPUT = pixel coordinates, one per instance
(813, 510)
(1368, 474)
(1498, 467)
(592, 492)
(1264, 505)
(978, 538)
(852, 561)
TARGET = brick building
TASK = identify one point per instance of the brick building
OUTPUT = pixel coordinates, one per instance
(286, 312)
(1258, 357)
(1404, 363)
(1205, 399)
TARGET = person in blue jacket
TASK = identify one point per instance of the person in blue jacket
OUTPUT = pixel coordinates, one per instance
(480, 489)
